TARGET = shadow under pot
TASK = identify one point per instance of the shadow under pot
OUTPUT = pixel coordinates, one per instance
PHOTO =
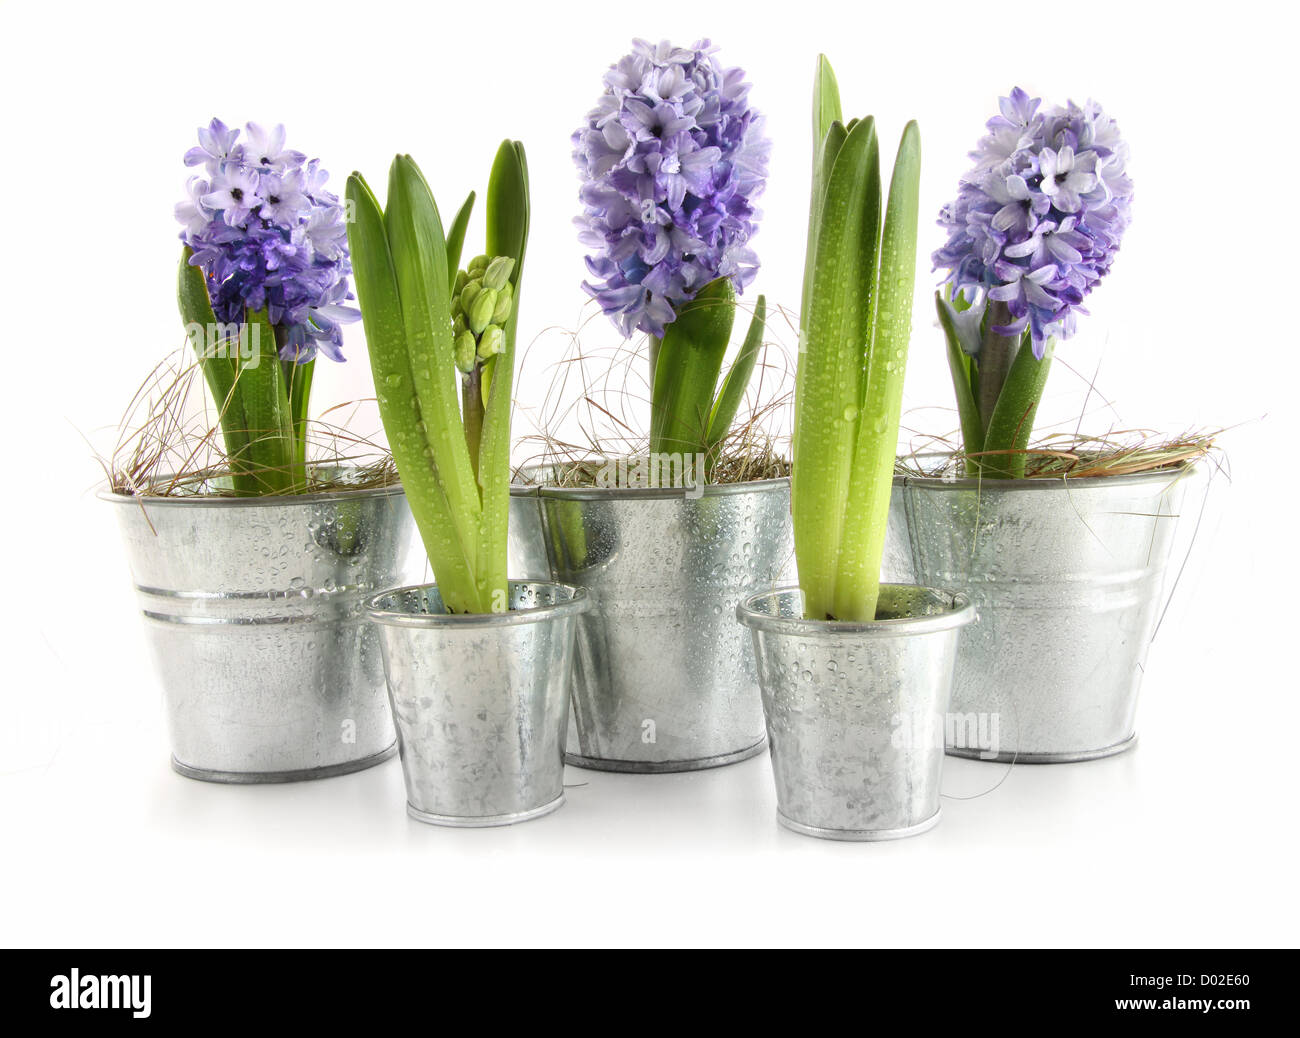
(855, 711)
(481, 701)
(254, 609)
(1067, 576)
(664, 680)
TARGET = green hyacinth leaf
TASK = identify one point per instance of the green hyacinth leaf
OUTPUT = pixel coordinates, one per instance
(399, 405)
(834, 330)
(737, 380)
(857, 585)
(686, 374)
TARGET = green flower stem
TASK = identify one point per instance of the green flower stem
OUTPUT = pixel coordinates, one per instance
(656, 344)
(271, 443)
(471, 409)
(1013, 416)
(997, 354)
(219, 368)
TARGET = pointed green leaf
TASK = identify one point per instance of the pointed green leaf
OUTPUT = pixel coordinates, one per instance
(857, 581)
(828, 137)
(736, 381)
(419, 255)
(399, 406)
(266, 407)
(298, 379)
(690, 358)
(1012, 422)
(834, 330)
(218, 367)
(508, 217)
(456, 237)
(959, 363)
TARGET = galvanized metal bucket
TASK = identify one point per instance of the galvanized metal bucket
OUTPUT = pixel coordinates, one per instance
(664, 680)
(255, 613)
(527, 540)
(481, 701)
(856, 711)
(1067, 578)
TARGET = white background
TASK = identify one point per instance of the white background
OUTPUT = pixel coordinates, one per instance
(1190, 840)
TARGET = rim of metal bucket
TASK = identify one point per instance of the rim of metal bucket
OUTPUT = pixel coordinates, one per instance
(106, 493)
(578, 602)
(1181, 470)
(960, 613)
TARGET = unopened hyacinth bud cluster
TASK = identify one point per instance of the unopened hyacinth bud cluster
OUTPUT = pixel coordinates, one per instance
(268, 236)
(1038, 220)
(672, 159)
(482, 301)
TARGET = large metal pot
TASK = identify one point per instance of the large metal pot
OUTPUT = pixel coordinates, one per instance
(664, 678)
(254, 608)
(1067, 578)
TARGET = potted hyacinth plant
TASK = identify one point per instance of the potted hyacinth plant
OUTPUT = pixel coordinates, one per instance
(252, 571)
(672, 160)
(1062, 546)
(849, 667)
(477, 665)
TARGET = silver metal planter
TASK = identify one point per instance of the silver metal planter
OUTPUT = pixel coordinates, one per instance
(855, 711)
(664, 680)
(481, 701)
(254, 608)
(1067, 578)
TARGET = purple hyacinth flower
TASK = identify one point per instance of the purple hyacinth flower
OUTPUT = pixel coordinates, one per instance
(672, 159)
(216, 146)
(268, 235)
(1037, 222)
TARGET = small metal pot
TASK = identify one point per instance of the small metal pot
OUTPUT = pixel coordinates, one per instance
(1067, 577)
(856, 711)
(664, 680)
(254, 609)
(481, 701)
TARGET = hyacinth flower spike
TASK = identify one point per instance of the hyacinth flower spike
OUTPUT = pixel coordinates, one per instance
(1034, 228)
(262, 288)
(854, 330)
(430, 327)
(672, 159)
